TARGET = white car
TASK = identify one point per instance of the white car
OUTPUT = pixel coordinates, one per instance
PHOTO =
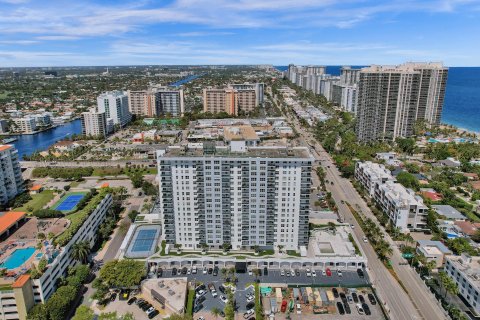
(224, 299)
(282, 273)
(205, 270)
(352, 226)
(309, 274)
(339, 272)
(200, 293)
(189, 271)
(299, 308)
(250, 272)
(365, 239)
(292, 273)
(360, 309)
(250, 299)
(248, 313)
(201, 318)
(194, 270)
(314, 274)
(150, 310)
(324, 273)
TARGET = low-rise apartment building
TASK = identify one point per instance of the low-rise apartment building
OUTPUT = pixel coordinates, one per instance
(403, 207)
(18, 295)
(465, 271)
(24, 125)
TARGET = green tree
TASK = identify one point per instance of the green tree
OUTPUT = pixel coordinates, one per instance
(83, 313)
(80, 251)
(447, 284)
(215, 312)
(122, 273)
(38, 312)
(408, 180)
(406, 145)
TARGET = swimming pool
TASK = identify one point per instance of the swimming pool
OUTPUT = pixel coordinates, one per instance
(17, 258)
(69, 202)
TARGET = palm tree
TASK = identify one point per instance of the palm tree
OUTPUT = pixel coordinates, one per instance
(80, 251)
(215, 312)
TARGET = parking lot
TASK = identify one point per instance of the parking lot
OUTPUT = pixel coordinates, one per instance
(274, 278)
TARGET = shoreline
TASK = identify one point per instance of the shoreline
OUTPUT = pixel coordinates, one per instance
(460, 130)
(19, 134)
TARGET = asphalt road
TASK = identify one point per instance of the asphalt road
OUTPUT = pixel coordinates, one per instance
(110, 163)
(419, 302)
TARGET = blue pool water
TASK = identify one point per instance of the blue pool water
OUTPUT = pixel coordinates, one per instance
(70, 202)
(17, 258)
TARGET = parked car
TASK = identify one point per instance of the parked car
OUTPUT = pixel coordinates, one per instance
(355, 297)
(150, 310)
(194, 270)
(371, 298)
(250, 305)
(215, 271)
(329, 272)
(299, 308)
(200, 293)
(200, 300)
(249, 313)
(113, 297)
(308, 272)
(197, 308)
(210, 270)
(297, 272)
(360, 309)
(184, 270)
(343, 297)
(340, 308)
(314, 273)
(335, 292)
(339, 272)
(205, 270)
(366, 308)
(174, 271)
(324, 273)
(153, 314)
(282, 273)
(349, 298)
(200, 287)
(131, 300)
(360, 273)
(223, 299)
(221, 288)
(361, 298)
(265, 271)
(347, 308)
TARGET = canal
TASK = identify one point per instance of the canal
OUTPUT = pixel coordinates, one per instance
(28, 144)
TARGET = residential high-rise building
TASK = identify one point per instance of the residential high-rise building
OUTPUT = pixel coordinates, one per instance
(11, 181)
(169, 101)
(349, 76)
(115, 106)
(157, 101)
(244, 197)
(235, 98)
(391, 99)
(94, 123)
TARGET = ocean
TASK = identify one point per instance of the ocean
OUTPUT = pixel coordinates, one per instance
(462, 97)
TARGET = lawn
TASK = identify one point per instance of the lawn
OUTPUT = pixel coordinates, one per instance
(75, 184)
(38, 201)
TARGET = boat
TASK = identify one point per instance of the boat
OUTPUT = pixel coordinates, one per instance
(9, 140)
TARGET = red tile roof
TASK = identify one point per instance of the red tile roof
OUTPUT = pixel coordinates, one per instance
(20, 282)
(8, 219)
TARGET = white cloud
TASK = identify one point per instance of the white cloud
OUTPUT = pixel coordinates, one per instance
(59, 38)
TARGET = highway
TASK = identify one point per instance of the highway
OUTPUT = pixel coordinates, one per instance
(418, 303)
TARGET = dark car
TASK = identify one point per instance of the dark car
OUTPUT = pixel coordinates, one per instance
(200, 300)
(147, 306)
(360, 273)
(210, 270)
(139, 301)
(366, 308)
(355, 297)
(221, 288)
(200, 287)
(361, 298)
(159, 272)
(184, 270)
(113, 297)
(131, 300)
(215, 271)
(347, 307)
(197, 308)
(142, 304)
(340, 308)
(297, 272)
(343, 297)
(174, 271)
(335, 292)
(265, 271)
(371, 298)
(250, 305)
(153, 314)
(222, 314)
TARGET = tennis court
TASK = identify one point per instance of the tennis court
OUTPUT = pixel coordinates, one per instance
(69, 202)
(144, 241)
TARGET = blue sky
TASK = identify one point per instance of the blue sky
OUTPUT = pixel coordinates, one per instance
(278, 32)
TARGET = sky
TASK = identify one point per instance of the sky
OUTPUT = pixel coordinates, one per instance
(278, 32)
